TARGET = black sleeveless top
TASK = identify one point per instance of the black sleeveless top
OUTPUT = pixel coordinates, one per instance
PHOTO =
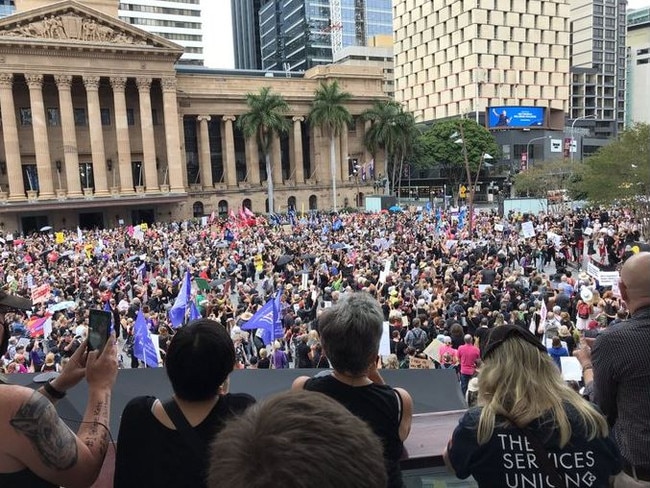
(379, 406)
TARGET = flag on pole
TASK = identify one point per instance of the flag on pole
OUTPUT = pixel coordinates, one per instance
(268, 319)
(143, 347)
(80, 236)
(194, 312)
(107, 308)
(179, 309)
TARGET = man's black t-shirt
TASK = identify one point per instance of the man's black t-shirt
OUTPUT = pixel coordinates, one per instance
(508, 459)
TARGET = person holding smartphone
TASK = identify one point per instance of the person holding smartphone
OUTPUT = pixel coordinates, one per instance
(37, 449)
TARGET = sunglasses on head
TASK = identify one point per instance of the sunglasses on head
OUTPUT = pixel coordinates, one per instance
(501, 334)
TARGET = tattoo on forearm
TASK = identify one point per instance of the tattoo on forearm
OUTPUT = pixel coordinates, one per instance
(97, 436)
(37, 420)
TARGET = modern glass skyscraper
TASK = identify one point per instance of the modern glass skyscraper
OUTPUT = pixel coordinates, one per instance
(7, 7)
(296, 35)
(246, 34)
(176, 20)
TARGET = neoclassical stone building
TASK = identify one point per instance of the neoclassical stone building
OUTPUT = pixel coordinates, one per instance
(100, 127)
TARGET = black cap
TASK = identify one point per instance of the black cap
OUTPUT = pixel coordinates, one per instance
(500, 334)
(14, 301)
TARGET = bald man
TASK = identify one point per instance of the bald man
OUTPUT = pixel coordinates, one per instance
(621, 366)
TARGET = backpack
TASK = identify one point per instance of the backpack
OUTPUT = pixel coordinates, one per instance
(583, 310)
(419, 339)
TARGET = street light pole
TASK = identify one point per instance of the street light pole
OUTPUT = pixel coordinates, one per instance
(528, 147)
(573, 124)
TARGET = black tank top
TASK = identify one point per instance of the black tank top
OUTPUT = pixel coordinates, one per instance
(22, 479)
(379, 407)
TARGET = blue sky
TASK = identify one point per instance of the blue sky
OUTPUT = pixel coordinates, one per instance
(218, 37)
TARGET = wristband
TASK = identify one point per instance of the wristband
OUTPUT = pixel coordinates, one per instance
(53, 392)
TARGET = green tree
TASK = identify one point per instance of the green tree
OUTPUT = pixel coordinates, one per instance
(329, 112)
(543, 177)
(444, 146)
(619, 173)
(266, 118)
(392, 130)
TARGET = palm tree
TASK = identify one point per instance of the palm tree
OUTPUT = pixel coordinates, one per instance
(329, 112)
(393, 131)
(265, 119)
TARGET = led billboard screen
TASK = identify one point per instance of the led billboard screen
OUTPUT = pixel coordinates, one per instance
(515, 117)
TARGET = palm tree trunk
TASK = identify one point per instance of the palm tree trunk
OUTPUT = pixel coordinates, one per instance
(387, 186)
(399, 187)
(269, 182)
(333, 170)
(393, 180)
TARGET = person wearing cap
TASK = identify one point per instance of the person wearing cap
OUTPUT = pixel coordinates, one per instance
(36, 448)
(621, 369)
(529, 428)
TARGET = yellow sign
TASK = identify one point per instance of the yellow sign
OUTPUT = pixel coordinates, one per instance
(462, 192)
(144, 226)
(259, 262)
(59, 238)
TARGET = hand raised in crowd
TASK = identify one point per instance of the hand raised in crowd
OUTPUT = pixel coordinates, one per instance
(583, 353)
(101, 366)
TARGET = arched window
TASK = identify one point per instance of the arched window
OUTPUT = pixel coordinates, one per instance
(247, 203)
(313, 202)
(291, 203)
(197, 209)
(360, 197)
(222, 208)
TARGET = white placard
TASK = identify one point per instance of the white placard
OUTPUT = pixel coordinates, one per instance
(593, 270)
(571, 368)
(608, 278)
(528, 229)
(588, 231)
(498, 227)
(384, 343)
(481, 288)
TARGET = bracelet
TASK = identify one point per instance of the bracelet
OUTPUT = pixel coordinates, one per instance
(53, 392)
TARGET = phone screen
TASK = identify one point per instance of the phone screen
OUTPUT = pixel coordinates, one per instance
(99, 328)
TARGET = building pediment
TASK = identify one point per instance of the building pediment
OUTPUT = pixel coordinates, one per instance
(70, 22)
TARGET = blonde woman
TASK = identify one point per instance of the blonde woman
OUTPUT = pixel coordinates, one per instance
(529, 428)
(391, 362)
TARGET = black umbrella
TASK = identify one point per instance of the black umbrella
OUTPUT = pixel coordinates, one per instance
(284, 259)
(308, 256)
(217, 282)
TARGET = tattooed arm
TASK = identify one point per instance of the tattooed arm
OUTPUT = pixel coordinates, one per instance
(33, 436)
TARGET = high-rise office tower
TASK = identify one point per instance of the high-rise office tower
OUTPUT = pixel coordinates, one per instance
(598, 64)
(7, 7)
(638, 67)
(176, 20)
(246, 33)
(461, 56)
(298, 34)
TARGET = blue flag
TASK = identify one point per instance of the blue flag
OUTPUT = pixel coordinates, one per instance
(428, 207)
(107, 308)
(179, 309)
(194, 312)
(143, 346)
(268, 319)
(461, 218)
(338, 223)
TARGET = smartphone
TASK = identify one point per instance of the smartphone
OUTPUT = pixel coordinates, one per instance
(99, 329)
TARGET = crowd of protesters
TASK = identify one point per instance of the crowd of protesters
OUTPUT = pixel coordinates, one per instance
(435, 283)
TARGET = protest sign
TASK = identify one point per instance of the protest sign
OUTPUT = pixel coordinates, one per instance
(417, 363)
(528, 229)
(41, 294)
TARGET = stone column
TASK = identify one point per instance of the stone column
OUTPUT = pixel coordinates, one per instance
(229, 161)
(69, 134)
(96, 135)
(344, 170)
(41, 142)
(122, 132)
(172, 135)
(367, 157)
(296, 160)
(10, 138)
(276, 160)
(205, 155)
(148, 140)
(252, 162)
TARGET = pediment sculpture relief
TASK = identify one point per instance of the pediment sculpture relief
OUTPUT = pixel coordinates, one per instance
(72, 27)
